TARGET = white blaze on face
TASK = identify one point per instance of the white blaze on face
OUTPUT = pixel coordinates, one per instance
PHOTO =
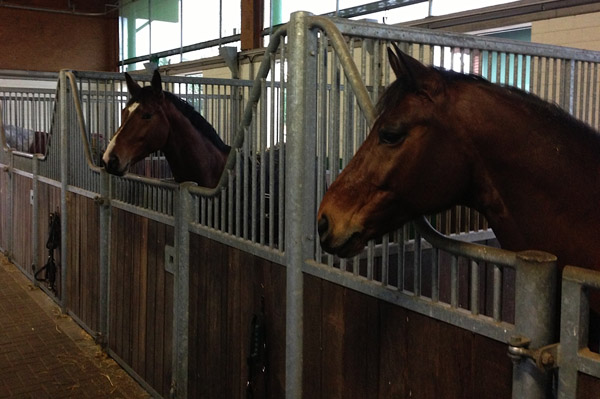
(106, 156)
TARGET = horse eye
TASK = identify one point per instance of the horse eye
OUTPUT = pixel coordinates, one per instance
(146, 116)
(390, 137)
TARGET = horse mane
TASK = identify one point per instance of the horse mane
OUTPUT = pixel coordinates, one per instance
(197, 121)
(552, 111)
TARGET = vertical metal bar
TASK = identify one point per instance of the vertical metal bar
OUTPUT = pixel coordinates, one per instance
(34, 213)
(535, 318)
(454, 281)
(417, 265)
(574, 329)
(104, 256)
(262, 140)
(401, 252)
(181, 289)
(435, 273)
(497, 293)
(64, 180)
(474, 288)
(300, 185)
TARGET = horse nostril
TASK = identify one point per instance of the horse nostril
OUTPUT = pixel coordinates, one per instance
(323, 226)
(113, 162)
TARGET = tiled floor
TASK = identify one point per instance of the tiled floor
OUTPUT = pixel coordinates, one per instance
(44, 354)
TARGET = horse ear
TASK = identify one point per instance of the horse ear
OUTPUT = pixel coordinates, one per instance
(132, 87)
(404, 65)
(156, 83)
(419, 76)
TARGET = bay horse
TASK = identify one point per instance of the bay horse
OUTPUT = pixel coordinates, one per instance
(154, 119)
(442, 138)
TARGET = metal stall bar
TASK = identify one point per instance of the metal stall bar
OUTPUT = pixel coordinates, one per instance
(64, 189)
(181, 289)
(301, 141)
(574, 356)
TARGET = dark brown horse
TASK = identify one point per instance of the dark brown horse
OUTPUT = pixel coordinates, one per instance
(442, 138)
(154, 120)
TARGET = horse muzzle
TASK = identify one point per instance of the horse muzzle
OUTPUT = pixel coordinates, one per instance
(344, 243)
(113, 165)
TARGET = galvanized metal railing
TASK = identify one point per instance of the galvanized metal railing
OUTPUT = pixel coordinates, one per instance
(574, 355)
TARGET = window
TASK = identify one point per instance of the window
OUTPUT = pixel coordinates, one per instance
(153, 26)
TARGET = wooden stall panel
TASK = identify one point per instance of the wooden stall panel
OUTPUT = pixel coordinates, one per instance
(4, 209)
(227, 287)
(83, 262)
(21, 228)
(141, 297)
(356, 346)
(48, 202)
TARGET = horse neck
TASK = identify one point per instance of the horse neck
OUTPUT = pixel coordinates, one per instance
(536, 183)
(191, 155)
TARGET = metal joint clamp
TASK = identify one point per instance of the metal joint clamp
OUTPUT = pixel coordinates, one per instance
(545, 358)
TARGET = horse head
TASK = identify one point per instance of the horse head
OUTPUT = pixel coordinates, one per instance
(412, 162)
(144, 127)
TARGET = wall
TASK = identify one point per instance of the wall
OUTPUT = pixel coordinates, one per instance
(581, 31)
(51, 41)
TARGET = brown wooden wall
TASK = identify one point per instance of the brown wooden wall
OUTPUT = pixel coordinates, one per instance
(48, 201)
(83, 289)
(355, 346)
(226, 286)
(4, 209)
(45, 41)
(141, 297)
(21, 228)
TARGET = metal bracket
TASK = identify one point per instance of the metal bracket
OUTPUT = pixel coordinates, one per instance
(545, 358)
(170, 258)
(102, 201)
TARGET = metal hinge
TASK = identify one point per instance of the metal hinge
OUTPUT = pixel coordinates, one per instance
(545, 358)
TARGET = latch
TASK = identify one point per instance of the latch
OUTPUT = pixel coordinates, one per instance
(102, 201)
(545, 358)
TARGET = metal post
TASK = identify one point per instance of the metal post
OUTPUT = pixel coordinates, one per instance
(64, 188)
(300, 186)
(11, 204)
(535, 319)
(34, 215)
(104, 256)
(574, 355)
(181, 297)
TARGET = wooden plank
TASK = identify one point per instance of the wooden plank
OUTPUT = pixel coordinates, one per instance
(216, 317)
(135, 291)
(113, 287)
(197, 297)
(234, 342)
(143, 292)
(312, 337)
(333, 326)
(151, 302)
(252, 24)
(587, 386)
(128, 304)
(168, 326)
(140, 257)
(157, 381)
(275, 314)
